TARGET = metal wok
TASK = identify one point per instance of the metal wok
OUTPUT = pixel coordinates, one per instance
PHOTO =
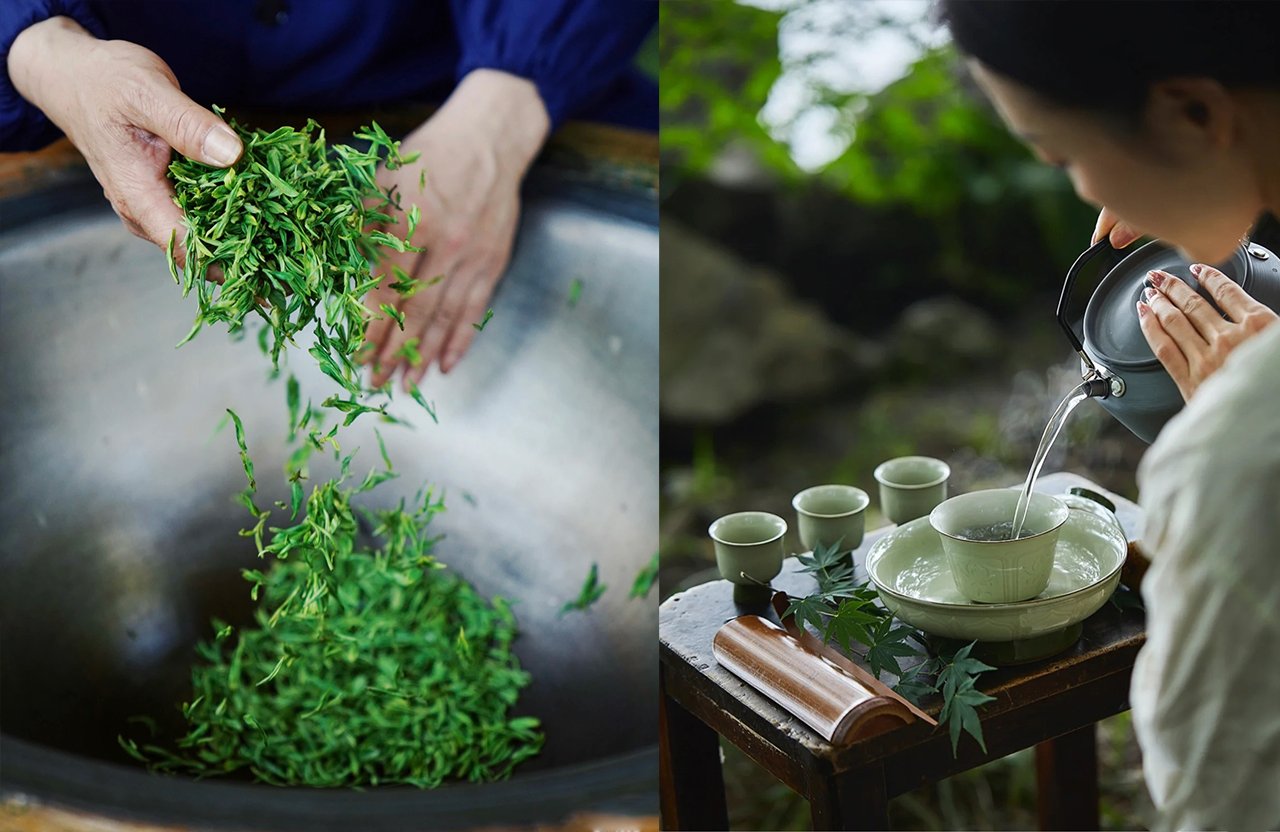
(118, 535)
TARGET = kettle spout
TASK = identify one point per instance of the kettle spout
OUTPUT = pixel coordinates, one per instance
(1097, 387)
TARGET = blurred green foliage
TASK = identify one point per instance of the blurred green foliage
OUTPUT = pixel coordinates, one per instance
(719, 61)
(928, 144)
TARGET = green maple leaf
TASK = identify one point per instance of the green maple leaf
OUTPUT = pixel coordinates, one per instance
(912, 683)
(961, 698)
(810, 609)
(888, 645)
(824, 558)
(849, 624)
(837, 584)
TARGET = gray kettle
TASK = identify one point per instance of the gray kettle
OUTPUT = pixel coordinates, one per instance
(1123, 374)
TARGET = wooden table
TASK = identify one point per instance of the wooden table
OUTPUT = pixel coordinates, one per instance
(1051, 704)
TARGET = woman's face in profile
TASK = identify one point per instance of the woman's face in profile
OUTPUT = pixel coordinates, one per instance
(1181, 173)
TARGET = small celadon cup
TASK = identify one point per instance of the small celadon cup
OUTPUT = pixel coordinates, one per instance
(749, 547)
(831, 515)
(910, 486)
(999, 571)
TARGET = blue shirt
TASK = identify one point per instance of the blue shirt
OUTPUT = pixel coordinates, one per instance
(349, 54)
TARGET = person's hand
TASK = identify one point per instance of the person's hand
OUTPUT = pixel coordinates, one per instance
(121, 107)
(1109, 225)
(1187, 334)
(475, 151)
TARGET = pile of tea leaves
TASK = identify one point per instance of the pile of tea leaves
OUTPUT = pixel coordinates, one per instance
(364, 665)
(293, 227)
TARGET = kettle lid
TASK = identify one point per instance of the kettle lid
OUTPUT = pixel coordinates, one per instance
(1111, 330)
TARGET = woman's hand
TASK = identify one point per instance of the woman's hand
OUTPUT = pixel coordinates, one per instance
(1187, 334)
(1120, 232)
(121, 107)
(475, 151)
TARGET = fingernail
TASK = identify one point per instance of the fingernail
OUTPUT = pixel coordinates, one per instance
(1156, 278)
(1143, 309)
(1149, 293)
(1196, 268)
(221, 146)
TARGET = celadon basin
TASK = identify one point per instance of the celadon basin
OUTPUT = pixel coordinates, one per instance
(909, 569)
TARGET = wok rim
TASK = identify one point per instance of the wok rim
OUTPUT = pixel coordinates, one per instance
(623, 783)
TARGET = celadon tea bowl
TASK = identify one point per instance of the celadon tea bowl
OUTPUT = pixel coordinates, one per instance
(999, 571)
(910, 486)
(830, 515)
(749, 546)
(911, 574)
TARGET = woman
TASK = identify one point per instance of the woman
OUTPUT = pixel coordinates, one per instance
(1167, 116)
(508, 72)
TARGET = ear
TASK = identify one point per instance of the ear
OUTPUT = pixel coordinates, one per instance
(1191, 114)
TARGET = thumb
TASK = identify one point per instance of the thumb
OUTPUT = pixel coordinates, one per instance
(1123, 234)
(1106, 222)
(190, 129)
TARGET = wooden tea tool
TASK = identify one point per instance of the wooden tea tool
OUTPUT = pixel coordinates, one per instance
(826, 691)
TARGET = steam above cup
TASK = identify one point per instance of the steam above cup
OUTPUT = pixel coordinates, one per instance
(999, 571)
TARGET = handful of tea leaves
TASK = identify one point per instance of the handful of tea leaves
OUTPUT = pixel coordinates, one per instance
(293, 227)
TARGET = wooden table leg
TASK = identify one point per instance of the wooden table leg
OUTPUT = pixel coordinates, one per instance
(851, 800)
(1067, 780)
(690, 778)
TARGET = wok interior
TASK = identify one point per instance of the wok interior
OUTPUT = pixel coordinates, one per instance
(119, 537)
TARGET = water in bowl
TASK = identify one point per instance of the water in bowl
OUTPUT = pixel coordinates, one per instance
(993, 532)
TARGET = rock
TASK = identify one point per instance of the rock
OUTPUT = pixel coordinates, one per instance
(940, 336)
(734, 337)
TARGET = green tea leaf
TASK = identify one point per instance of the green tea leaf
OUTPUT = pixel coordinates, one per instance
(645, 579)
(244, 450)
(293, 398)
(393, 313)
(409, 352)
(590, 592)
(418, 397)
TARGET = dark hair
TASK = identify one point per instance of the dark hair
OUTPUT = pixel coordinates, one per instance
(1106, 55)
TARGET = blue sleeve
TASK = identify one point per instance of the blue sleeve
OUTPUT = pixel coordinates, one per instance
(22, 125)
(572, 50)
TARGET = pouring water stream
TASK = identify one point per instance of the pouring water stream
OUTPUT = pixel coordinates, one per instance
(1051, 432)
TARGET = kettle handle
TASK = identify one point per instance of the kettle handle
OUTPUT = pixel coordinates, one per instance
(1101, 248)
(1091, 502)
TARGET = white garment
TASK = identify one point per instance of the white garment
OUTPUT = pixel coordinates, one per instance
(1206, 688)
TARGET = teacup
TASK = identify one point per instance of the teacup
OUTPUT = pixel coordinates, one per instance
(999, 571)
(831, 515)
(749, 547)
(910, 486)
